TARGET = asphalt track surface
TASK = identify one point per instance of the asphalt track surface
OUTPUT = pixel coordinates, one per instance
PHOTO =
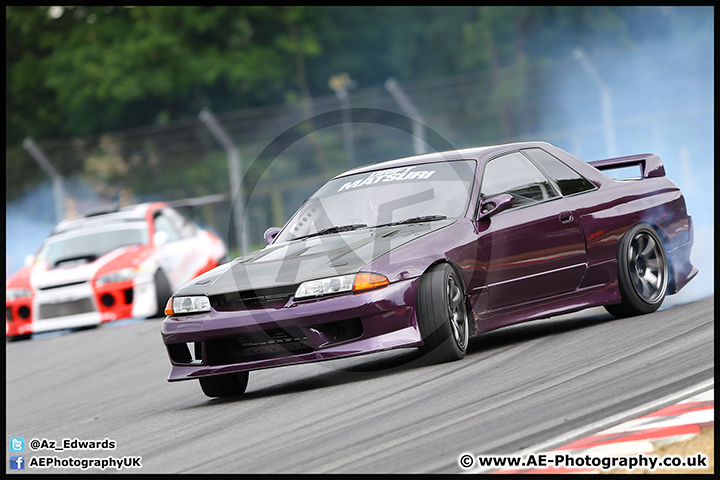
(517, 387)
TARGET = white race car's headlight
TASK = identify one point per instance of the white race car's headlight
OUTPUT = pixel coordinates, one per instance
(185, 305)
(119, 276)
(13, 293)
(345, 283)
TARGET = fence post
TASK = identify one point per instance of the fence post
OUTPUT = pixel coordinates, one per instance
(57, 179)
(605, 101)
(340, 84)
(235, 169)
(418, 124)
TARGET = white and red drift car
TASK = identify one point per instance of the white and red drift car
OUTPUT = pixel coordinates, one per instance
(108, 266)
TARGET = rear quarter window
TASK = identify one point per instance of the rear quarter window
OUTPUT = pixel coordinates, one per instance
(568, 180)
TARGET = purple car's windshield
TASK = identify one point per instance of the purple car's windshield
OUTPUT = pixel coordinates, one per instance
(430, 191)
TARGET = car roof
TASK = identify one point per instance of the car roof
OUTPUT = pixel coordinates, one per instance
(476, 153)
(106, 215)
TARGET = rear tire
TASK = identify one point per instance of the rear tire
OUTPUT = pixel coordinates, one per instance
(162, 292)
(442, 314)
(642, 273)
(227, 385)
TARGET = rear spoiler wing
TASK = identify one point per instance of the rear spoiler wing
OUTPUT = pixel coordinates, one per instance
(650, 164)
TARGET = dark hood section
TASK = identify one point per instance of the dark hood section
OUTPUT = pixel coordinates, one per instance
(291, 263)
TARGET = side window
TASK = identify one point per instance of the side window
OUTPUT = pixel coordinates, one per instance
(516, 175)
(164, 224)
(185, 227)
(569, 181)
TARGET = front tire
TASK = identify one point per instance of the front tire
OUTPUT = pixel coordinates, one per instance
(227, 385)
(442, 315)
(642, 273)
(162, 292)
(85, 327)
(19, 338)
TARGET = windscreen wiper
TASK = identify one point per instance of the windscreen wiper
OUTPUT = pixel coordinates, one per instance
(337, 229)
(425, 218)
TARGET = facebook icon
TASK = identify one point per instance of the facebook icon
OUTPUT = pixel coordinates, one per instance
(17, 462)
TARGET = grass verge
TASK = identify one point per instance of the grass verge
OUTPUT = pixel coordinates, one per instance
(703, 443)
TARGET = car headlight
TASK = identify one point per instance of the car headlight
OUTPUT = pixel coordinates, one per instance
(344, 283)
(13, 293)
(119, 276)
(185, 305)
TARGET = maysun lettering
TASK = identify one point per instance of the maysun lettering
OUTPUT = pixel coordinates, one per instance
(391, 175)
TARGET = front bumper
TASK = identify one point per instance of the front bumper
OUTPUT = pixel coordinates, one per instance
(18, 317)
(83, 304)
(59, 307)
(217, 343)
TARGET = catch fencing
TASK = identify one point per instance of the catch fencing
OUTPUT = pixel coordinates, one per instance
(661, 102)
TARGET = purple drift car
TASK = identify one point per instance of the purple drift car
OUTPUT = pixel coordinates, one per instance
(430, 250)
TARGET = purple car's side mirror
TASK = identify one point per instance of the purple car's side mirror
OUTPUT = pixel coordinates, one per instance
(271, 233)
(493, 205)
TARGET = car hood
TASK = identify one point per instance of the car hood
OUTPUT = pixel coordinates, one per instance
(290, 263)
(124, 257)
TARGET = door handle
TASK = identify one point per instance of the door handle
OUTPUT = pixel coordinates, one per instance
(566, 217)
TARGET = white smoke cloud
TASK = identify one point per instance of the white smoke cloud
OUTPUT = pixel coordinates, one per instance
(31, 218)
(662, 99)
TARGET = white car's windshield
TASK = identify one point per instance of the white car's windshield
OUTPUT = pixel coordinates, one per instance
(431, 191)
(85, 247)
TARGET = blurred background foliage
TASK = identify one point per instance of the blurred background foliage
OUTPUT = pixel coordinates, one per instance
(112, 93)
(75, 71)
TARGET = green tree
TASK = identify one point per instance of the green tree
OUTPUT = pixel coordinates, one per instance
(86, 69)
(74, 71)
